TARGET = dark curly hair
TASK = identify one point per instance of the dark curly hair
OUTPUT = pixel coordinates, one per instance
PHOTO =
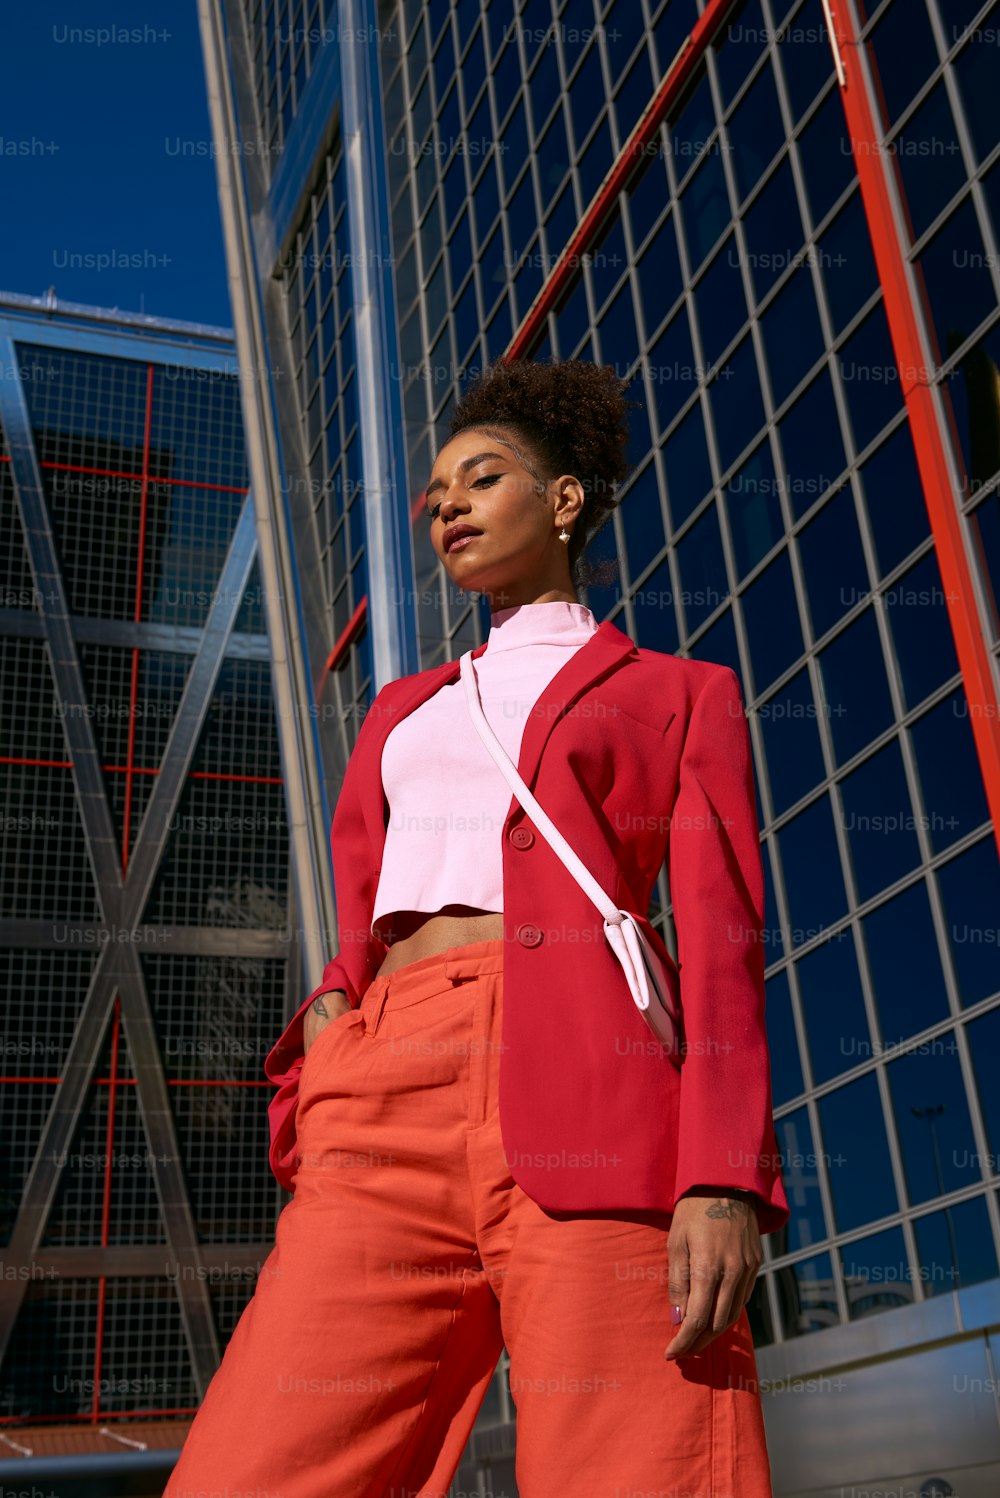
(572, 417)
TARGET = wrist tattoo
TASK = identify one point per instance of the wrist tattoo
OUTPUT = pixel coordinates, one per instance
(727, 1206)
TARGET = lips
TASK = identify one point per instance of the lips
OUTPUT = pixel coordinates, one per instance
(459, 535)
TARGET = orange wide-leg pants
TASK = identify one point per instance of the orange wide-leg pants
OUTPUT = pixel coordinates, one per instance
(408, 1258)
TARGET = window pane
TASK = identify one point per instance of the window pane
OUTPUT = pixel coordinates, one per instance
(799, 1174)
(856, 1148)
(856, 691)
(824, 149)
(956, 1247)
(812, 445)
(930, 161)
(903, 56)
(876, 1273)
(970, 891)
(721, 305)
(702, 569)
(737, 405)
(704, 206)
(932, 1119)
(833, 1008)
(655, 615)
(905, 965)
(772, 620)
(957, 280)
(847, 262)
(689, 474)
(950, 775)
(782, 1044)
(791, 741)
(921, 630)
(879, 819)
(897, 510)
(984, 1047)
(793, 336)
(773, 229)
(833, 560)
(810, 860)
(811, 1304)
(870, 378)
(806, 58)
(642, 520)
(755, 131)
(754, 509)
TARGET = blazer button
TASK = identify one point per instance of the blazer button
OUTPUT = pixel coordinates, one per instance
(528, 935)
(522, 837)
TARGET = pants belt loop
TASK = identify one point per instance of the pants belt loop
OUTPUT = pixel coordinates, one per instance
(372, 1019)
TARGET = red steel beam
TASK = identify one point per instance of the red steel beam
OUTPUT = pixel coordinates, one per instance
(916, 380)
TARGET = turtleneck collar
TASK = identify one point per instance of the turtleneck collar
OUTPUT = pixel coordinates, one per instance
(556, 622)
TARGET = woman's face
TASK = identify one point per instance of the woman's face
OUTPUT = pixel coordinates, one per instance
(478, 480)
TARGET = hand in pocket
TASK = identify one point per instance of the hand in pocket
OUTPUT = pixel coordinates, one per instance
(322, 1012)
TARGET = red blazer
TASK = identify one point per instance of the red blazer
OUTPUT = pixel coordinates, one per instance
(638, 756)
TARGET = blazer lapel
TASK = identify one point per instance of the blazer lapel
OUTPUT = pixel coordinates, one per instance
(607, 649)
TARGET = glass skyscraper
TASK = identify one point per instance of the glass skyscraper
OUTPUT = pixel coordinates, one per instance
(145, 932)
(782, 222)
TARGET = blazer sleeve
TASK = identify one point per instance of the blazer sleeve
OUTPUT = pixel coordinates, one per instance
(726, 1133)
(359, 955)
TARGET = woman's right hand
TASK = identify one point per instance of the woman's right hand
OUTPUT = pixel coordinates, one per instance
(322, 1012)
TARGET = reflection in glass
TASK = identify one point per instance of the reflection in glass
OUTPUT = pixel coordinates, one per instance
(932, 1119)
(876, 1273)
(800, 1177)
(807, 1296)
(955, 1247)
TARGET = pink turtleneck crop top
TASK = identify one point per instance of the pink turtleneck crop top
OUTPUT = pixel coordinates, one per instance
(447, 799)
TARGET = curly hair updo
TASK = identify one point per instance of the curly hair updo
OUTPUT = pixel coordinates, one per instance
(572, 417)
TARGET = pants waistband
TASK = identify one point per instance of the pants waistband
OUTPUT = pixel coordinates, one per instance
(430, 974)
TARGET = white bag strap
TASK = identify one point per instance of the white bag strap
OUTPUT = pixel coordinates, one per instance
(560, 846)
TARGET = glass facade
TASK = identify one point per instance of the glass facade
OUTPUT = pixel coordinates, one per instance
(781, 517)
(144, 913)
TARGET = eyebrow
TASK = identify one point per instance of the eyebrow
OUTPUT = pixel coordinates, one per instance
(465, 464)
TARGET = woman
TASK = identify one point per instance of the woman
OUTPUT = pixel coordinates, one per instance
(486, 1145)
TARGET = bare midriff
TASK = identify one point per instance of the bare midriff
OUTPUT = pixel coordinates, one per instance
(412, 934)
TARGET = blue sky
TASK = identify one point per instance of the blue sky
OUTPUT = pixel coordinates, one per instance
(105, 153)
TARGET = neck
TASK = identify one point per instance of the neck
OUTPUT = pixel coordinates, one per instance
(509, 598)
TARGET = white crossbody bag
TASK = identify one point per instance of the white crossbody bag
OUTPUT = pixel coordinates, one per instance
(653, 984)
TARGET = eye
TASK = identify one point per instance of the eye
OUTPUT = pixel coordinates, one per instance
(488, 478)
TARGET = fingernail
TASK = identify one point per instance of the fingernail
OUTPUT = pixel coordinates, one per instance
(675, 1315)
